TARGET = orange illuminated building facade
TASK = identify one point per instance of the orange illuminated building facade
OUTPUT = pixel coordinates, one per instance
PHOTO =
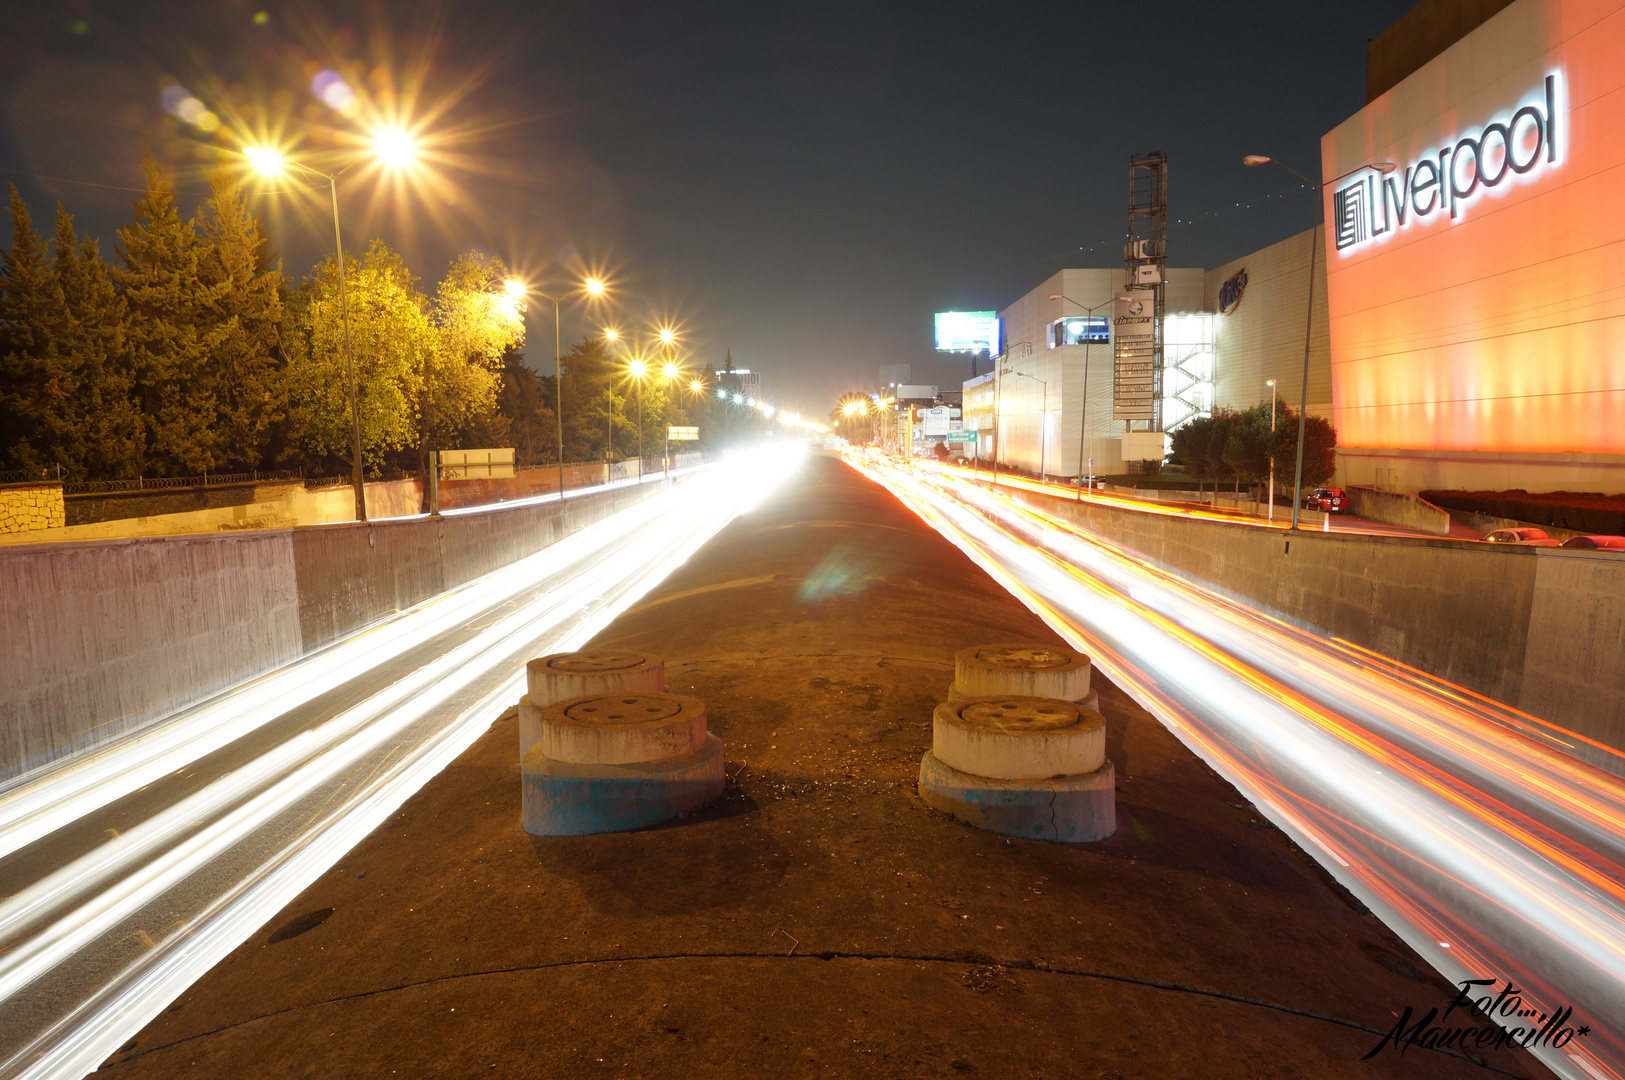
(1476, 260)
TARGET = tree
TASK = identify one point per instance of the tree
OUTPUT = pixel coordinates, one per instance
(1319, 453)
(477, 324)
(112, 435)
(174, 332)
(36, 379)
(596, 425)
(244, 285)
(526, 402)
(391, 336)
(1247, 445)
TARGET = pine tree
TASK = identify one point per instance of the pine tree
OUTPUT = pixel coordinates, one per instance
(35, 378)
(111, 433)
(173, 332)
(244, 363)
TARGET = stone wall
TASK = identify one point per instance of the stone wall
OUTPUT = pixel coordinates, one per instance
(30, 507)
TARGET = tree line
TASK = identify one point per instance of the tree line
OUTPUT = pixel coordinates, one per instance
(1237, 447)
(190, 352)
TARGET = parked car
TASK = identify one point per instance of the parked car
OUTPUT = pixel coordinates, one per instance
(1596, 543)
(1331, 500)
(1526, 537)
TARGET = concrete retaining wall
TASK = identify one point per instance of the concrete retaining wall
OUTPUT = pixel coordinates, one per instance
(1541, 630)
(30, 507)
(99, 638)
(1398, 508)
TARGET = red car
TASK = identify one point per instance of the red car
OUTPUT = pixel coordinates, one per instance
(1331, 500)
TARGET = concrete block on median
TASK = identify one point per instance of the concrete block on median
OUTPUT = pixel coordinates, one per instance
(562, 799)
(1067, 809)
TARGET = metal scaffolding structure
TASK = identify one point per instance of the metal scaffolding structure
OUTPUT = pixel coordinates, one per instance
(1138, 348)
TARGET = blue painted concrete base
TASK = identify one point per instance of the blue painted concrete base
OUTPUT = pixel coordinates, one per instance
(580, 800)
(1069, 809)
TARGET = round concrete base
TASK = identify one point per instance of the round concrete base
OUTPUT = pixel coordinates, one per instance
(1069, 809)
(1092, 702)
(581, 800)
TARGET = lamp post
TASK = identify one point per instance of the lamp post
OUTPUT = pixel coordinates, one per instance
(267, 162)
(1383, 167)
(1043, 424)
(594, 287)
(1272, 451)
(1083, 428)
(998, 389)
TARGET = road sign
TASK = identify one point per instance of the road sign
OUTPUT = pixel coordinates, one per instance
(961, 436)
(682, 434)
(476, 464)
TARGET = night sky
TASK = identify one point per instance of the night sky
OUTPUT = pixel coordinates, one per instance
(802, 183)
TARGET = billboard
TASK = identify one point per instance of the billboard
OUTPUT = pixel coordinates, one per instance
(968, 331)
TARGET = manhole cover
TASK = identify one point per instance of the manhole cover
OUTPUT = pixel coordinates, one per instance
(588, 663)
(1023, 657)
(1020, 714)
(624, 709)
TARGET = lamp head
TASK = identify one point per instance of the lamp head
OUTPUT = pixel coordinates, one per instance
(265, 161)
(594, 286)
(515, 288)
(395, 147)
(1255, 159)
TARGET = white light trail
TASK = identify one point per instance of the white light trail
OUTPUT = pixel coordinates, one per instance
(233, 835)
(1492, 854)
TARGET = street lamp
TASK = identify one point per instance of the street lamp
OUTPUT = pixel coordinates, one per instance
(1083, 428)
(593, 287)
(998, 387)
(1271, 384)
(1043, 423)
(397, 149)
(1383, 167)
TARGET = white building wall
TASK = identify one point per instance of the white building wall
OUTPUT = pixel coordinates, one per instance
(1021, 400)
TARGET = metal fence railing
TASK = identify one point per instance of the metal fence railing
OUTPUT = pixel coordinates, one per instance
(154, 483)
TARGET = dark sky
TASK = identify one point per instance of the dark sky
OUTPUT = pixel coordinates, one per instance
(803, 183)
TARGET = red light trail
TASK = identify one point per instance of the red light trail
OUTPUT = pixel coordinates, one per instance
(1456, 820)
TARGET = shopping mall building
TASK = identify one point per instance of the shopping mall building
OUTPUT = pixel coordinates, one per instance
(1468, 329)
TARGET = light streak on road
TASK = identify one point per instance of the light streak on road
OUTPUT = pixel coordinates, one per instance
(1455, 820)
(1283, 511)
(93, 948)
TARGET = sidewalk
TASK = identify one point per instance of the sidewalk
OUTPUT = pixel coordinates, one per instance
(820, 921)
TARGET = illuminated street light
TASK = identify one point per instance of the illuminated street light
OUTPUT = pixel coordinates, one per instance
(667, 336)
(637, 369)
(722, 393)
(669, 371)
(395, 147)
(611, 334)
(515, 288)
(1383, 167)
(268, 161)
(595, 287)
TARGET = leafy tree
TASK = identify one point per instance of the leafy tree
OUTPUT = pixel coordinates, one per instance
(174, 333)
(1319, 449)
(391, 336)
(477, 324)
(1247, 445)
(112, 436)
(36, 378)
(244, 284)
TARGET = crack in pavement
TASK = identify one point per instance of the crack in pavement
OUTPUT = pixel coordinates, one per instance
(832, 954)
